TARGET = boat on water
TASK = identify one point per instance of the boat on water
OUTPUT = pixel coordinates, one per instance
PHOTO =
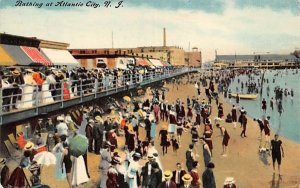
(245, 96)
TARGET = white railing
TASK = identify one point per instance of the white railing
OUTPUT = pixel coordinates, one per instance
(34, 96)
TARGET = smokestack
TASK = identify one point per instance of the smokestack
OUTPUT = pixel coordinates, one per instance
(165, 41)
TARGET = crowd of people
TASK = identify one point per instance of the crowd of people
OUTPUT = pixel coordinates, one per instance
(25, 88)
(122, 166)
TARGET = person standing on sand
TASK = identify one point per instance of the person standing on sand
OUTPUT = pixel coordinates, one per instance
(226, 138)
(190, 158)
(261, 126)
(208, 177)
(244, 124)
(177, 175)
(206, 151)
(276, 148)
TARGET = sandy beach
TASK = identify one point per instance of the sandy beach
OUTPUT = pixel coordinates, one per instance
(242, 162)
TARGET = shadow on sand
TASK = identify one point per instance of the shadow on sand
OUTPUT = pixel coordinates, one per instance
(263, 156)
(275, 183)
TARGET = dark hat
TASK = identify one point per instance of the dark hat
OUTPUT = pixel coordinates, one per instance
(116, 154)
(210, 165)
(137, 155)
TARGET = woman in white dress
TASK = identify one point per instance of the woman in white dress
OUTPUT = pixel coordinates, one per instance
(58, 150)
(46, 93)
(79, 172)
(133, 170)
(104, 164)
(27, 93)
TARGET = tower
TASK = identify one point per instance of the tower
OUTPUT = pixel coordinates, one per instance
(164, 37)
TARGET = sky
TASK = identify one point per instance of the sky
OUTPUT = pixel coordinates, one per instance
(225, 27)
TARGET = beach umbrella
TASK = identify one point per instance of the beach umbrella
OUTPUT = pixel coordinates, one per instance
(45, 158)
(78, 145)
(127, 99)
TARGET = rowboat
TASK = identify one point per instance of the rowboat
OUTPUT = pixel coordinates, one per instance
(245, 96)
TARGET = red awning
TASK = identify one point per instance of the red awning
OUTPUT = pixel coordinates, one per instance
(142, 62)
(35, 55)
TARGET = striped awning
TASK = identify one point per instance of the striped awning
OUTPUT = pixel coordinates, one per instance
(156, 62)
(5, 59)
(142, 62)
(59, 57)
(35, 55)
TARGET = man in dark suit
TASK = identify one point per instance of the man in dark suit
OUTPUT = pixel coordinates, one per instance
(168, 183)
(163, 110)
(146, 171)
(98, 130)
(177, 175)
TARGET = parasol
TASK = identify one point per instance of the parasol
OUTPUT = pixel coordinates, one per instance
(78, 145)
(127, 99)
(45, 158)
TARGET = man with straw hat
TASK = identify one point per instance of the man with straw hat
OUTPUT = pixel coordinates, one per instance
(187, 179)
(168, 183)
(146, 171)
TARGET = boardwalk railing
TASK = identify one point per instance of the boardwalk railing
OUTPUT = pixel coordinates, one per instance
(35, 98)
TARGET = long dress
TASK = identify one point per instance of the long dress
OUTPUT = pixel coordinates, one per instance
(66, 91)
(153, 130)
(79, 172)
(206, 156)
(46, 94)
(59, 173)
(133, 168)
(27, 93)
(104, 165)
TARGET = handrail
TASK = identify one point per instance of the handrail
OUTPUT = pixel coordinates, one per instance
(33, 96)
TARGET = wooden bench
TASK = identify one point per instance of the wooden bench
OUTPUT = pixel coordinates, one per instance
(27, 175)
(12, 139)
(13, 152)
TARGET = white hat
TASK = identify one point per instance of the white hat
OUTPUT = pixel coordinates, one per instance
(60, 118)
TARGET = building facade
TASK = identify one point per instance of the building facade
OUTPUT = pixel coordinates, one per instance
(171, 54)
(193, 58)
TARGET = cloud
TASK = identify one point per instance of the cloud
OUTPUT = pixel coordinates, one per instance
(241, 30)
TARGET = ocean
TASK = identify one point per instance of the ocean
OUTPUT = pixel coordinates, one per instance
(288, 124)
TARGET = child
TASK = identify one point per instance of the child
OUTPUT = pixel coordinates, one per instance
(175, 144)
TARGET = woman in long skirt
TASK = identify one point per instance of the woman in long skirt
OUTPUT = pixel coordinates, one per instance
(60, 171)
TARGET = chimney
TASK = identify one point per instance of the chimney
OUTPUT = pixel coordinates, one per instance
(164, 38)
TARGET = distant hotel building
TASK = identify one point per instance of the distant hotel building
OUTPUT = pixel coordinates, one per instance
(171, 54)
(267, 61)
